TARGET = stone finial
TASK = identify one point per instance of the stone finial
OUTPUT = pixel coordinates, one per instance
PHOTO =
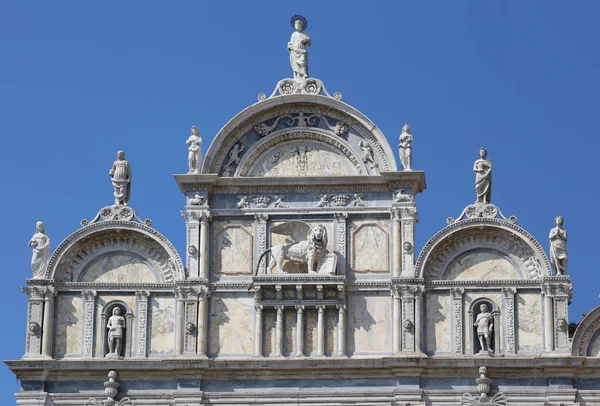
(40, 244)
(297, 47)
(405, 148)
(194, 151)
(558, 247)
(483, 177)
(120, 175)
(483, 387)
(111, 390)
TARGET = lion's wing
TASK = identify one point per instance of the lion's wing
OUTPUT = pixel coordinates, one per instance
(296, 229)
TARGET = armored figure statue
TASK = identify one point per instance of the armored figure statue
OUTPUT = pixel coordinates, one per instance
(40, 243)
(405, 148)
(297, 47)
(558, 247)
(116, 327)
(485, 326)
(483, 178)
(194, 151)
(120, 174)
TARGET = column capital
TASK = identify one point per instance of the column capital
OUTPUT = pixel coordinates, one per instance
(340, 216)
(279, 308)
(34, 293)
(261, 217)
(258, 307)
(321, 308)
(457, 293)
(299, 308)
(89, 295)
(341, 308)
(509, 292)
(142, 294)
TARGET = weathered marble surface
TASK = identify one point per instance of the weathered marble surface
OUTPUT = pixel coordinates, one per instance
(233, 247)
(594, 347)
(162, 324)
(118, 268)
(231, 325)
(310, 332)
(481, 265)
(330, 330)
(437, 323)
(366, 238)
(101, 300)
(269, 317)
(68, 325)
(369, 324)
(289, 331)
(470, 335)
(529, 321)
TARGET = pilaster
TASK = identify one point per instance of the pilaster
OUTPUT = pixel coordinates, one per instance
(408, 220)
(141, 303)
(340, 241)
(457, 309)
(35, 321)
(509, 301)
(89, 305)
(260, 225)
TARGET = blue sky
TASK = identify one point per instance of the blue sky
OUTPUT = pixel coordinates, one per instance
(80, 80)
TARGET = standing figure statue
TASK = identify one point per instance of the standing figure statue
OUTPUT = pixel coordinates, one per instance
(558, 247)
(483, 178)
(367, 152)
(120, 174)
(297, 47)
(234, 155)
(405, 148)
(485, 326)
(116, 327)
(40, 243)
(195, 150)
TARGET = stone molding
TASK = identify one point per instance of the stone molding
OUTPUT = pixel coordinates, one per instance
(586, 329)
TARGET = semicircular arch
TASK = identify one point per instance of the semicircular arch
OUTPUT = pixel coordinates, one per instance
(587, 331)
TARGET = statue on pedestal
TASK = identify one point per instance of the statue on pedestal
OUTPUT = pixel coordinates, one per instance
(405, 148)
(483, 178)
(120, 174)
(40, 244)
(116, 328)
(485, 326)
(297, 47)
(194, 151)
(558, 247)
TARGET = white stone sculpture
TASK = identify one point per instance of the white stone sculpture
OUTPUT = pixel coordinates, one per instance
(367, 155)
(278, 201)
(483, 388)
(405, 148)
(40, 244)
(308, 252)
(323, 201)
(120, 174)
(483, 177)
(116, 329)
(485, 327)
(297, 47)
(194, 151)
(558, 247)
(111, 390)
(234, 155)
(400, 196)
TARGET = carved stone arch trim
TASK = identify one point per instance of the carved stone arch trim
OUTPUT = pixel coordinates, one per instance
(584, 333)
(286, 104)
(498, 234)
(105, 313)
(171, 268)
(292, 134)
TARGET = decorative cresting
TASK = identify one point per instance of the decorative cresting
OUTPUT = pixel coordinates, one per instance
(88, 243)
(116, 213)
(111, 390)
(483, 387)
(306, 86)
(481, 210)
(482, 233)
(586, 331)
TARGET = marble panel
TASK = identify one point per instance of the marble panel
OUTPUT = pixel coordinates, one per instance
(310, 332)
(471, 333)
(231, 325)
(594, 347)
(437, 323)
(233, 247)
(269, 320)
(369, 324)
(481, 265)
(68, 325)
(529, 321)
(118, 268)
(162, 324)
(330, 330)
(289, 323)
(366, 238)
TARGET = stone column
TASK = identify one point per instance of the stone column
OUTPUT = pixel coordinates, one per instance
(408, 325)
(141, 304)
(548, 318)
(408, 219)
(299, 331)
(48, 323)
(202, 323)
(561, 318)
(192, 229)
(509, 300)
(204, 254)
(260, 225)
(397, 320)
(341, 331)
(457, 308)
(179, 319)
(419, 320)
(340, 241)
(321, 331)
(35, 321)
(89, 305)
(279, 332)
(258, 330)
(397, 242)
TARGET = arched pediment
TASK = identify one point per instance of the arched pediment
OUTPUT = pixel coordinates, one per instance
(327, 126)
(586, 340)
(116, 251)
(482, 249)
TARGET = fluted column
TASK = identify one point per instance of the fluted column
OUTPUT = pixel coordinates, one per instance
(89, 305)
(397, 321)
(204, 255)
(202, 331)
(48, 323)
(299, 330)
(341, 331)
(397, 242)
(419, 320)
(279, 332)
(321, 331)
(258, 330)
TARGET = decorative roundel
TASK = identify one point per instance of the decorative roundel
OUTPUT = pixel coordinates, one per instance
(301, 18)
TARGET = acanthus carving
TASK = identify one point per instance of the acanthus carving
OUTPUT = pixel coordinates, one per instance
(116, 213)
(312, 86)
(481, 210)
(483, 387)
(111, 390)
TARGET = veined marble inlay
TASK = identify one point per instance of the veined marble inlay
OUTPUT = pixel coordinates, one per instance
(162, 324)
(367, 238)
(529, 321)
(118, 268)
(437, 323)
(369, 324)
(233, 247)
(68, 327)
(481, 265)
(231, 325)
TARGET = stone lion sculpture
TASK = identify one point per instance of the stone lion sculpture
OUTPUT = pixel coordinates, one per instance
(308, 252)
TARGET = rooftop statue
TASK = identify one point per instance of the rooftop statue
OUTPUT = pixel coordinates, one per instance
(483, 177)
(558, 247)
(120, 174)
(194, 151)
(405, 148)
(297, 47)
(40, 243)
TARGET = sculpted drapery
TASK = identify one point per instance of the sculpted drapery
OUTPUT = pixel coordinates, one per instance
(297, 48)
(120, 174)
(483, 177)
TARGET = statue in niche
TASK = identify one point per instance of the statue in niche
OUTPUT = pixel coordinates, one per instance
(483, 177)
(194, 151)
(116, 328)
(234, 155)
(558, 247)
(485, 326)
(367, 155)
(120, 174)
(40, 244)
(405, 148)
(297, 47)
(309, 251)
